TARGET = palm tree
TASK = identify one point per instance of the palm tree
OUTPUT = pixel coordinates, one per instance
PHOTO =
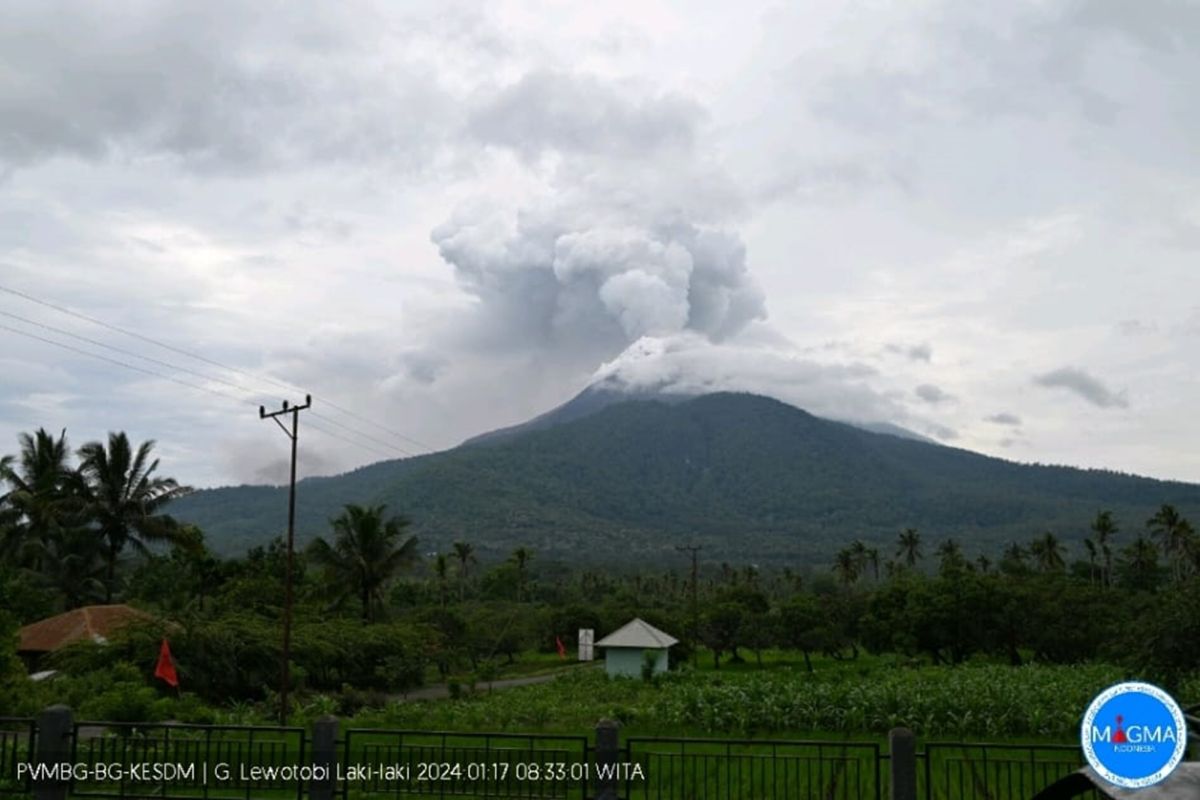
(1091, 548)
(124, 499)
(1140, 563)
(520, 558)
(1105, 528)
(1047, 551)
(465, 553)
(42, 500)
(1189, 550)
(950, 555)
(367, 553)
(1171, 529)
(845, 566)
(440, 568)
(871, 556)
(910, 547)
(1013, 558)
(861, 555)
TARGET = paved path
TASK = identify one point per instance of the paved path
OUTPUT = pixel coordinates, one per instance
(440, 691)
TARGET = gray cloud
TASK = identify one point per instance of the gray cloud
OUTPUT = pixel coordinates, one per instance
(221, 86)
(1135, 327)
(548, 110)
(914, 352)
(932, 394)
(1083, 385)
(1003, 418)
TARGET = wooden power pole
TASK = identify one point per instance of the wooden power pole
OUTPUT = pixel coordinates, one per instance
(293, 434)
(694, 549)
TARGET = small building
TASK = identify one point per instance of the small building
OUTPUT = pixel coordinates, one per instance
(626, 649)
(86, 624)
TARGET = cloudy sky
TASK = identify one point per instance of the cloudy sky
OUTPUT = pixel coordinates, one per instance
(980, 221)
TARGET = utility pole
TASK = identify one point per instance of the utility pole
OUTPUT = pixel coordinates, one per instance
(694, 549)
(285, 670)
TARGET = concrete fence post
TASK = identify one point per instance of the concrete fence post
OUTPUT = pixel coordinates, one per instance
(324, 754)
(54, 731)
(608, 755)
(902, 745)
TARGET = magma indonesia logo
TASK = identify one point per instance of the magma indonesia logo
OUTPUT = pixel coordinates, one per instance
(1134, 735)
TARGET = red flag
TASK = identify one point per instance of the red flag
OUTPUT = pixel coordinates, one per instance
(562, 651)
(166, 666)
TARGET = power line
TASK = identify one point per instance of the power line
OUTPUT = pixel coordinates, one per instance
(337, 424)
(135, 335)
(187, 384)
(201, 375)
(123, 351)
(209, 361)
(374, 424)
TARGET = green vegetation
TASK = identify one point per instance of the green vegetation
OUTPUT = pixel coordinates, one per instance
(954, 640)
(977, 701)
(753, 479)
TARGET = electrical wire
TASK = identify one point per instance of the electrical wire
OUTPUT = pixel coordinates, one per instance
(188, 384)
(150, 340)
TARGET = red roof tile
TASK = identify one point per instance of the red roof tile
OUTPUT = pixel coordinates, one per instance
(94, 623)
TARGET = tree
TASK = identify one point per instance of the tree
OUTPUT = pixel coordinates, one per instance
(1138, 566)
(1047, 553)
(909, 547)
(1012, 562)
(721, 628)
(368, 552)
(125, 498)
(871, 557)
(846, 567)
(950, 557)
(42, 500)
(520, 559)
(1105, 529)
(803, 624)
(1091, 548)
(465, 554)
(441, 568)
(1172, 531)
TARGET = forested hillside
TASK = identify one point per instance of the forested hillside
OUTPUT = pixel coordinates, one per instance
(750, 477)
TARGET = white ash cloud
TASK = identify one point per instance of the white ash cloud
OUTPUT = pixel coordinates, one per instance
(691, 364)
(625, 236)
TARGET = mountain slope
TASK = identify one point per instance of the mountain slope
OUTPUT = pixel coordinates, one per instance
(753, 478)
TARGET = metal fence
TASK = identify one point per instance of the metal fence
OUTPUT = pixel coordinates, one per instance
(958, 771)
(733, 769)
(197, 762)
(17, 742)
(188, 762)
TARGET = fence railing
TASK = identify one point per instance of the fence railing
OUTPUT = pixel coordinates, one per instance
(957, 771)
(17, 744)
(55, 758)
(730, 769)
(188, 762)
